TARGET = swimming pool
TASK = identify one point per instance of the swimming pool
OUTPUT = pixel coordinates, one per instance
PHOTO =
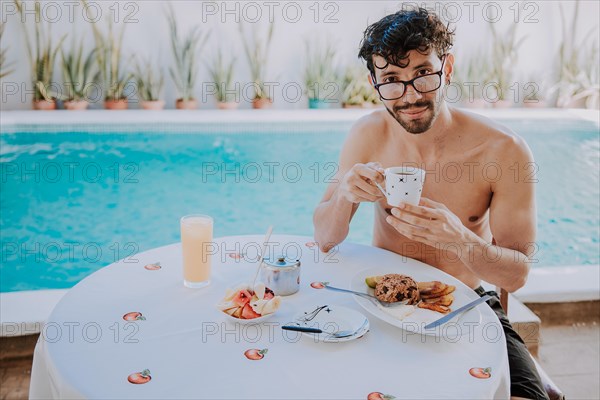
(75, 201)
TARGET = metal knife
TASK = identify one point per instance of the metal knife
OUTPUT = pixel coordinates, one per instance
(301, 329)
(454, 313)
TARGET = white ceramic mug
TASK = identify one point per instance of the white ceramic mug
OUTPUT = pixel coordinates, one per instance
(403, 185)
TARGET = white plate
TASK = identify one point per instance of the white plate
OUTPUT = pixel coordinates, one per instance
(332, 319)
(417, 318)
(248, 321)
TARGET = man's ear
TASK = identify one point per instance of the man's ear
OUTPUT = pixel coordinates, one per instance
(449, 67)
(371, 79)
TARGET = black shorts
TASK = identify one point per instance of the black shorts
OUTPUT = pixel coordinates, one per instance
(524, 378)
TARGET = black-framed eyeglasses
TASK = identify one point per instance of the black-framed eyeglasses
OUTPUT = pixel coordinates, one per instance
(422, 84)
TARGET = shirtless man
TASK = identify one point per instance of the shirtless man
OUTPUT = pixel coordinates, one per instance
(477, 216)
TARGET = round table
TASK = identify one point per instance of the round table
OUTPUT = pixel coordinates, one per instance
(191, 350)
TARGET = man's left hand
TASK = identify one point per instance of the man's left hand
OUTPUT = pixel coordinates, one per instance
(430, 222)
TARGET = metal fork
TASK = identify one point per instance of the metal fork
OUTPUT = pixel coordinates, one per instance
(372, 298)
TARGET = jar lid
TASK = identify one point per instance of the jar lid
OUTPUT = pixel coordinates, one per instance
(281, 262)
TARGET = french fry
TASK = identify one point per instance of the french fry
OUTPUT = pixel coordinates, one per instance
(431, 288)
(446, 290)
(434, 307)
(442, 301)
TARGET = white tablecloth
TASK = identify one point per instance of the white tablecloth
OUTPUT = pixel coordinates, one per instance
(87, 349)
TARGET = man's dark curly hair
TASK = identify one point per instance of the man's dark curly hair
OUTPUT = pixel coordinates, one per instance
(395, 35)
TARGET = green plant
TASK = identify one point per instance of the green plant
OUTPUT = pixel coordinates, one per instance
(472, 78)
(503, 58)
(79, 71)
(184, 52)
(578, 71)
(109, 48)
(320, 72)
(150, 83)
(41, 52)
(257, 54)
(535, 89)
(4, 71)
(222, 75)
(357, 88)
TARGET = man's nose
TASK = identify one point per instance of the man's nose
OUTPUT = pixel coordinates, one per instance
(412, 96)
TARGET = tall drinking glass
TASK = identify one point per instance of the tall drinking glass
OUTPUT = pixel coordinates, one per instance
(196, 240)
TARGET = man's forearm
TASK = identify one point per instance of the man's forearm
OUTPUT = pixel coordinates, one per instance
(497, 265)
(332, 221)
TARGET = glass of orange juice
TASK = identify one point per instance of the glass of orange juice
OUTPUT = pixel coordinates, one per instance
(196, 240)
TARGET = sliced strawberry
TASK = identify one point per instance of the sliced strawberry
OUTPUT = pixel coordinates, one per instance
(249, 313)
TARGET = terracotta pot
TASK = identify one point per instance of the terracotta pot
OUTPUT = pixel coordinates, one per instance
(44, 105)
(227, 105)
(575, 102)
(76, 105)
(120, 104)
(502, 104)
(153, 105)
(181, 104)
(262, 103)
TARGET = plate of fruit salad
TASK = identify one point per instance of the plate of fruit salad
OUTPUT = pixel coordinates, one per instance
(246, 304)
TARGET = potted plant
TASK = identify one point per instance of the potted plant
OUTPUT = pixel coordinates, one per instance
(185, 72)
(4, 71)
(358, 91)
(504, 57)
(257, 55)
(79, 71)
(149, 85)
(578, 81)
(222, 76)
(320, 75)
(42, 57)
(114, 77)
(471, 81)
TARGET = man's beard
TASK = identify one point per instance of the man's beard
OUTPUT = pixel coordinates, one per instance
(416, 126)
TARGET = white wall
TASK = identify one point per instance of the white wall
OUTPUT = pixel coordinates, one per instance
(147, 33)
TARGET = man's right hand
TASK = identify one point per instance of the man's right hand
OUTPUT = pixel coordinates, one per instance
(358, 184)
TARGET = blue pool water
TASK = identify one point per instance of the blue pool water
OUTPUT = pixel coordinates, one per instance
(74, 202)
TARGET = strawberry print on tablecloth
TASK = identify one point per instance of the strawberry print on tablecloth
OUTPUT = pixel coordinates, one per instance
(379, 396)
(134, 316)
(481, 373)
(255, 354)
(139, 378)
(153, 267)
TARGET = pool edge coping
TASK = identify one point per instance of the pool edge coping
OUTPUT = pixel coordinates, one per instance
(11, 121)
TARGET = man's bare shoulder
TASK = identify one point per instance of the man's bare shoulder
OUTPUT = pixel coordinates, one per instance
(371, 126)
(502, 143)
(367, 134)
